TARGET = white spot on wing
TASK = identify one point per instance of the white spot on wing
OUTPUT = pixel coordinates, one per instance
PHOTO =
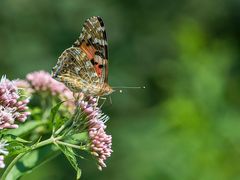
(100, 41)
(77, 69)
(88, 64)
(88, 36)
(100, 28)
(98, 59)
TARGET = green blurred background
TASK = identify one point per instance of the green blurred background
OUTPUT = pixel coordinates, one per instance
(185, 124)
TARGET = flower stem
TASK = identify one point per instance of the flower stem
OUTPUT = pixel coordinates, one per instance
(71, 145)
(19, 156)
(43, 143)
(63, 127)
(11, 165)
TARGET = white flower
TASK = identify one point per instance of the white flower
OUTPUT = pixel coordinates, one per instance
(2, 165)
(3, 152)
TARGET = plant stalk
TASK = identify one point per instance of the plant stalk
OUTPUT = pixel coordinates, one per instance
(19, 156)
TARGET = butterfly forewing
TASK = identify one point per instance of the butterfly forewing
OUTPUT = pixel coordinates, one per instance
(84, 66)
(93, 41)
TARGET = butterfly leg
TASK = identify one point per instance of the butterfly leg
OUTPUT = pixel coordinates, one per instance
(104, 100)
(110, 100)
(78, 96)
(97, 99)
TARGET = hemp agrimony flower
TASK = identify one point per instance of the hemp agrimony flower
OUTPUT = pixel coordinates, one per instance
(100, 142)
(41, 81)
(72, 125)
(12, 106)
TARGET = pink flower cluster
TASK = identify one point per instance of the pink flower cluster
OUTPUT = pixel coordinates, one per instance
(22, 84)
(3, 152)
(100, 142)
(42, 81)
(12, 105)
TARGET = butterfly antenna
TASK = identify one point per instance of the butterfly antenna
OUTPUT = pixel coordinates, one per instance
(128, 87)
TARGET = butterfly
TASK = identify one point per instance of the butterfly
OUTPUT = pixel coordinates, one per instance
(84, 66)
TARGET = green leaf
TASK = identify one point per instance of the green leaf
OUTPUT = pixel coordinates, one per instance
(70, 155)
(15, 148)
(54, 110)
(79, 137)
(32, 160)
(53, 114)
(15, 144)
(26, 128)
(11, 137)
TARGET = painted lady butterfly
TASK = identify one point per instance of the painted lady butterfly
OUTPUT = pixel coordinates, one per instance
(84, 66)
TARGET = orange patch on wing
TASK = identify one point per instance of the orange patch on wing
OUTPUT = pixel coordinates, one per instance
(89, 50)
(98, 70)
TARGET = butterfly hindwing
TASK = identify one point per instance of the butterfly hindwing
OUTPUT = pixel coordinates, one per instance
(84, 66)
(75, 70)
(93, 41)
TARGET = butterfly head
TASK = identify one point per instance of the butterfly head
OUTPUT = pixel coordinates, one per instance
(106, 90)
